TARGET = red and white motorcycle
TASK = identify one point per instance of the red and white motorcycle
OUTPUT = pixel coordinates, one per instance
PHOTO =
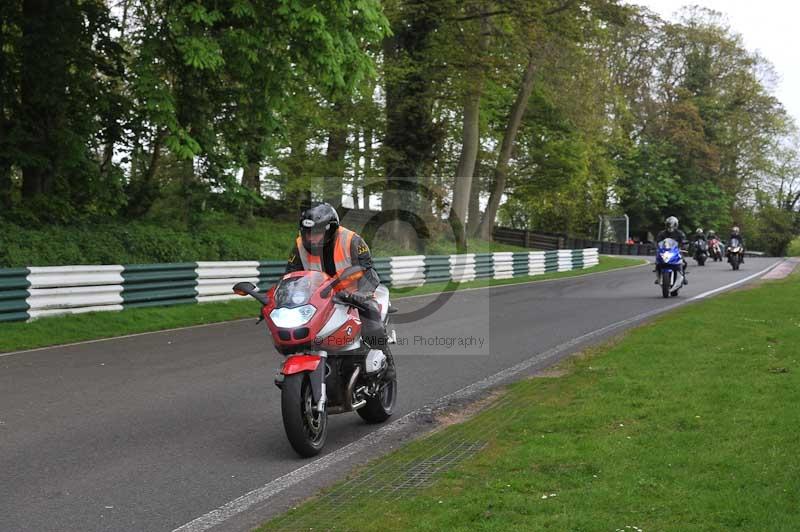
(715, 249)
(329, 368)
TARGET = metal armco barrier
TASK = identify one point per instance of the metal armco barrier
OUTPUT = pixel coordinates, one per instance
(551, 241)
(29, 293)
(14, 294)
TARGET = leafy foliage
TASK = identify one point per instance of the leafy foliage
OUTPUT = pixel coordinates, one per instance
(181, 111)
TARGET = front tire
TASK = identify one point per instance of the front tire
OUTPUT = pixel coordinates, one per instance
(735, 261)
(305, 428)
(666, 282)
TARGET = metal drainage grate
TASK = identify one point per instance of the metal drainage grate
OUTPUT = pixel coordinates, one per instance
(398, 475)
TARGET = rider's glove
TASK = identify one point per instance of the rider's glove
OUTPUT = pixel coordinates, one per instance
(358, 298)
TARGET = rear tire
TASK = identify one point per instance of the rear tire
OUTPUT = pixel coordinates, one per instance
(379, 409)
(305, 428)
(666, 281)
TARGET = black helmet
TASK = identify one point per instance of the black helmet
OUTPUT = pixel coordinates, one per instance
(318, 224)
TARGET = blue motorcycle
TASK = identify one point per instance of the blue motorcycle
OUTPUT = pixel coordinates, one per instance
(669, 265)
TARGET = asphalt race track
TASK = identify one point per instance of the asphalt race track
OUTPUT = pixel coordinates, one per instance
(149, 432)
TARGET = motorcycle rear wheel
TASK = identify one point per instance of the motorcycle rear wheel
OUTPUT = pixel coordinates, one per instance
(305, 428)
(666, 281)
(379, 409)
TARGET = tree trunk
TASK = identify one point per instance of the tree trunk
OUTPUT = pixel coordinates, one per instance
(251, 176)
(471, 139)
(367, 179)
(334, 156)
(6, 184)
(411, 136)
(356, 170)
(297, 196)
(501, 168)
(143, 191)
(42, 85)
(474, 219)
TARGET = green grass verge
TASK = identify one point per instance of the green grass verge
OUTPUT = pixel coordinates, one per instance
(794, 248)
(687, 423)
(79, 327)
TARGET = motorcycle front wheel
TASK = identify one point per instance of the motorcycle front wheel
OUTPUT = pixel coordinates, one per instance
(666, 282)
(305, 428)
(735, 261)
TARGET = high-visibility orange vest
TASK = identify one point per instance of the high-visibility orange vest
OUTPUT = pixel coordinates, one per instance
(342, 257)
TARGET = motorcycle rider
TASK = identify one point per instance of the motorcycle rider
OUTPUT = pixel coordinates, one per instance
(696, 237)
(712, 235)
(323, 245)
(671, 231)
(736, 233)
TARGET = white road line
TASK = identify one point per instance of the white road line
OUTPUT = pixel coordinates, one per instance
(740, 281)
(259, 495)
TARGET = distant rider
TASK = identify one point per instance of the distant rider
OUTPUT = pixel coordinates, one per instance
(712, 235)
(324, 245)
(735, 233)
(698, 235)
(671, 231)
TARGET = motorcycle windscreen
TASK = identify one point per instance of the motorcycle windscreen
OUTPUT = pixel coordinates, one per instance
(297, 291)
(667, 243)
(734, 243)
(668, 252)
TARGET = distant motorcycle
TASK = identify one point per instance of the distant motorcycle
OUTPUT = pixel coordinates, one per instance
(669, 265)
(700, 252)
(735, 252)
(715, 249)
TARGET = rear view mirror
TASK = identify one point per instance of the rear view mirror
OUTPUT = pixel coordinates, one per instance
(245, 288)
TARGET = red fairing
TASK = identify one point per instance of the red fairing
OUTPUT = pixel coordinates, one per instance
(270, 306)
(346, 335)
(300, 363)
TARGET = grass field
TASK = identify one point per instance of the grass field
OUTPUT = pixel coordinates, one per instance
(80, 327)
(794, 248)
(687, 423)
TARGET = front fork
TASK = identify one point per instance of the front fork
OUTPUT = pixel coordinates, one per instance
(660, 268)
(315, 366)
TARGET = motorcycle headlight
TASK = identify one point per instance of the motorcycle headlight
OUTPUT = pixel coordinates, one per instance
(666, 256)
(289, 318)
